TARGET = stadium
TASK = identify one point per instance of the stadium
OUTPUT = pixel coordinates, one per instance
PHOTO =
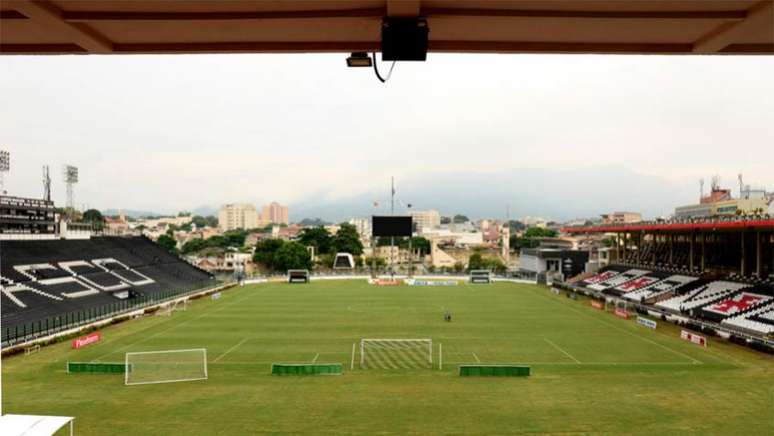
(106, 334)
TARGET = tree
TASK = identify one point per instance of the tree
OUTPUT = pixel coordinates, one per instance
(195, 245)
(168, 243)
(236, 238)
(264, 251)
(317, 237)
(459, 219)
(292, 255)
(537, 232)
(94, 217)
(475, 261)
(201, 221)
(516, 226)
(347, 240)
(459, 267)
(446, 220)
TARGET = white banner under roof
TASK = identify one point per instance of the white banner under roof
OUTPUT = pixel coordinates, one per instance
(33, 425)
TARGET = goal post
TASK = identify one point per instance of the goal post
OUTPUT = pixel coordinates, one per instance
(298, 276)
(396, 353)
(168, 366)
(480, 276)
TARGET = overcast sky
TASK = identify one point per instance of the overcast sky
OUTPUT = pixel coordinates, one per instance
(166, 133)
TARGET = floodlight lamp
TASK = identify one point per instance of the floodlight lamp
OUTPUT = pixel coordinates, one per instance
(359, 59)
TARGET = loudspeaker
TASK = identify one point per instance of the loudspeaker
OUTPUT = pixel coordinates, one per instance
(404, 39)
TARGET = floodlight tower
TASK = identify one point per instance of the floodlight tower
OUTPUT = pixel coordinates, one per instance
(5, 166)
(46, 184)
(70, 174)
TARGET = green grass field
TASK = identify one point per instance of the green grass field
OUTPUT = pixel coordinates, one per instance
(592, 373)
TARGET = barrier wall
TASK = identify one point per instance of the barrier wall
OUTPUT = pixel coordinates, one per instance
(494, 370)
(306, 369)
(95, 368)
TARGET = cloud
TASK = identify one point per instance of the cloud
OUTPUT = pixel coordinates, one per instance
(175, 132)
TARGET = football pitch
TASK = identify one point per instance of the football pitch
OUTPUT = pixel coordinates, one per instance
(592, 373)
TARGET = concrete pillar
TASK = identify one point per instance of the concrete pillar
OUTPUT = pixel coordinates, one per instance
(703, 252)
(743, 269)
(758, 254)
(671, 248)
(692, 242)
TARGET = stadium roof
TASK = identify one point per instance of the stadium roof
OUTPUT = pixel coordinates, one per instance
(739, 224)
(508, 26)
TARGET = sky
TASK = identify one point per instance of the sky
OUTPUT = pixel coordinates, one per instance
(474, 134)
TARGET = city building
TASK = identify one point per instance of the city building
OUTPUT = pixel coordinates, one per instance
(720, 202)
(426, 219)
(621, 218)
(275, 213)
(237, 216)
(363, 227)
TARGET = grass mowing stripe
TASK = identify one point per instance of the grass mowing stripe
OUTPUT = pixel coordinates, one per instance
(587, 315)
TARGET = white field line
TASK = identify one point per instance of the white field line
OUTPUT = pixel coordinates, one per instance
(315, 358)
(562, 351)
(230, 350)
(352, 363)
(694, 361)
(145, 338)
(476, 357)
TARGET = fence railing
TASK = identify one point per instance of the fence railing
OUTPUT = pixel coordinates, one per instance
(16, 334)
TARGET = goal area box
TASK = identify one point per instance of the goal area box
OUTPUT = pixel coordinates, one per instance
(169, 366)
(298, 276)
(494, 370)
(306, 369)
(480, 276)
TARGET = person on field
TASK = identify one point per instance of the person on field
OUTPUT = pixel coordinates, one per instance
(447, 316)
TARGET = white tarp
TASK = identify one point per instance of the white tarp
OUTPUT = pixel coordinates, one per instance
(33, 425)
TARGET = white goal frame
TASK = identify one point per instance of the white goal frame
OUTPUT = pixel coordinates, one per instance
(427, 341)
(175, 306)
(128, 366)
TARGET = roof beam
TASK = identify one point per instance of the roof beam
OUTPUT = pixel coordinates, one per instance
(731, 15)
(49, 16)
(403, 8)
(762, 14)
(85, 16)
(400, 7)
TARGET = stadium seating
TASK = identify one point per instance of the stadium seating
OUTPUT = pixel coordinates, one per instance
(665, 286)
(51, 279)
(759, 320)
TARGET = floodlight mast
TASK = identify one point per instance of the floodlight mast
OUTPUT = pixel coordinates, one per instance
(70, 174)
(5, 166)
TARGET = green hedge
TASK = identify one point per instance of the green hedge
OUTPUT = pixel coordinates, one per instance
(95, 368)
(494, 370)
(306, 369)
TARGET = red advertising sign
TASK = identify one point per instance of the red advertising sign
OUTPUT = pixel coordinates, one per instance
(86, 340)
(693, 337)
(597, 305)
(621, 313)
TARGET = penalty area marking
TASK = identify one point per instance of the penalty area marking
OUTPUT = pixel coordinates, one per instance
(562, 351)
(230, 350)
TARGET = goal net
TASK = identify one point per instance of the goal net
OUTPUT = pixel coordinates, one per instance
(165, 366)
(396, 353)
(167, 310)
